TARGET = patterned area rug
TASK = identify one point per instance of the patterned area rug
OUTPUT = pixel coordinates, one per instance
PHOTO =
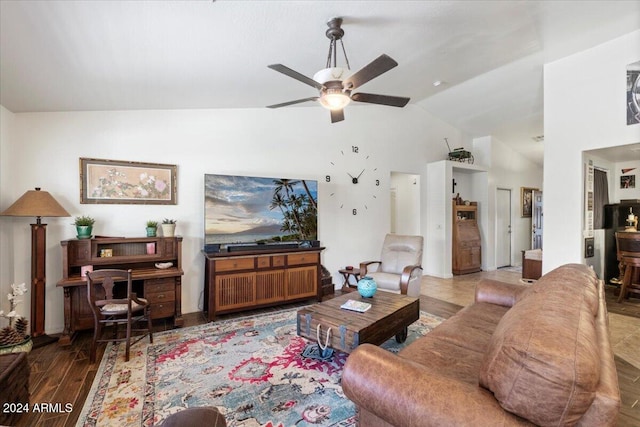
(251, 368)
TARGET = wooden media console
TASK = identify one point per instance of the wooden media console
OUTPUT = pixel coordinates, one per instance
(237, 281)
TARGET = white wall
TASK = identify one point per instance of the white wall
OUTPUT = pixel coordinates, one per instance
(584, 106)
(511, 170)
(297, 142)
(437, 211)
(405, 212)
(6, 254)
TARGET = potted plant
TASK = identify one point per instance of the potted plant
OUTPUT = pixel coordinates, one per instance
(152, 228)
(84, 226)
(168, 227)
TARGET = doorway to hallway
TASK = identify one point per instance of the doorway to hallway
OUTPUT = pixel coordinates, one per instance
(405, 203)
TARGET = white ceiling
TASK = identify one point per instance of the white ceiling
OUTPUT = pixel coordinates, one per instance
(120, 55)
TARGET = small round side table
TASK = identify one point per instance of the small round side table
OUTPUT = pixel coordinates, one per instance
(346, 285)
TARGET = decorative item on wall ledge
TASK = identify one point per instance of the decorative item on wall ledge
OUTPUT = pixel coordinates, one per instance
(37, 203)
(526, 199)
(152, 228)
(124, 182)
(168, 227)
(84, 226)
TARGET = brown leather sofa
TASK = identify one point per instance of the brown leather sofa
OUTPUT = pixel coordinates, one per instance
(519, 355)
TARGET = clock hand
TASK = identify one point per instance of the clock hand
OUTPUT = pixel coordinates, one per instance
(360, 174)
(354, 179)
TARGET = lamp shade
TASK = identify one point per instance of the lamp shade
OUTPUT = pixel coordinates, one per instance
(36, 203)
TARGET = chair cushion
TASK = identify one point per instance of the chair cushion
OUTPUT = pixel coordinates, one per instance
(544, 352)
(122, 308)
(399, 251)
(386, 281)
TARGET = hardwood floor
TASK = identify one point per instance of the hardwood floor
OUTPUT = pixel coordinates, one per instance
(64, 375)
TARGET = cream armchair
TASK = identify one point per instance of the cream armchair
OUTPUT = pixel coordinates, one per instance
(399, 268)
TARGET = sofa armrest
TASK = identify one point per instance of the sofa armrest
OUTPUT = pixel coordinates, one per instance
(499, 293)
(405, 393)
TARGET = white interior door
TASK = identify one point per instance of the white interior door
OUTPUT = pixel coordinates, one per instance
(503, 227)
(536, 220)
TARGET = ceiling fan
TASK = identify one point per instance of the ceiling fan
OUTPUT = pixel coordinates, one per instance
(336, 83)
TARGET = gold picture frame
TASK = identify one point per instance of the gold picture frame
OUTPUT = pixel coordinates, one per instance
(125, 182)
(526, 201)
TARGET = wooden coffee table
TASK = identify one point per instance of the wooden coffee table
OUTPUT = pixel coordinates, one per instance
(389, 315)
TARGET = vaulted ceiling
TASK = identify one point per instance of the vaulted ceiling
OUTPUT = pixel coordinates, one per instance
(120, 55)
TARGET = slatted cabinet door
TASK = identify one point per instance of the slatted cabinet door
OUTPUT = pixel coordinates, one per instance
(235, 291)
(302, 282)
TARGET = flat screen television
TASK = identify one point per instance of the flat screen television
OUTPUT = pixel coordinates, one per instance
(255, 210)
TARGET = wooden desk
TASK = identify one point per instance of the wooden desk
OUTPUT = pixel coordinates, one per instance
(161, 287)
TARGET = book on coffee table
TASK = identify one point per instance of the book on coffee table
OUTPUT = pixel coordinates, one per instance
(354, 305)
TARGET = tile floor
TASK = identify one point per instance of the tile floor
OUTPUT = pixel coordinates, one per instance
(624, 330)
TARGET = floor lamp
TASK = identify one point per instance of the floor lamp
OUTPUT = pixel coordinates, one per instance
(37, 203)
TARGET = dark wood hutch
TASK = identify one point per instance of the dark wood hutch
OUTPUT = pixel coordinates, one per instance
(161, 287)
(466, 242)
(251, 278)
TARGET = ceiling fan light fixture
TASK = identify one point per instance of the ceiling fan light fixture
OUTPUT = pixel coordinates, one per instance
(335, 84)
(334, 100)
(331, 74)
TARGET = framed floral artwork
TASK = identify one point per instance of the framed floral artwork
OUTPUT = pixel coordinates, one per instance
(124, 182)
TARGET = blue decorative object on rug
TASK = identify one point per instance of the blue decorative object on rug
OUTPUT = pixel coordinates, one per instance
(251, 368)
(313, 351)
(367, 287)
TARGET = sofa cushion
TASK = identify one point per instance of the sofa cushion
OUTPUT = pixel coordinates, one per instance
(456, 347)
(569, 276)
(543, 362)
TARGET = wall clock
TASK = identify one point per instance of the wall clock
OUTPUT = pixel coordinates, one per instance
(358, 180)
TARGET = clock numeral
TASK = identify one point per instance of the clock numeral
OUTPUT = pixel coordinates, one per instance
(354, 148)
(377, 183)
(327, 178)
(355, 211)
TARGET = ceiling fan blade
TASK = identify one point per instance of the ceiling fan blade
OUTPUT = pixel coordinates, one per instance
(337, 116)
(372, 98)
(296, 75)
(297, 101)
(380, 65)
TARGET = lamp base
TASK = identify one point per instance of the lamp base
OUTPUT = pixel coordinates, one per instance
(42, 340)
